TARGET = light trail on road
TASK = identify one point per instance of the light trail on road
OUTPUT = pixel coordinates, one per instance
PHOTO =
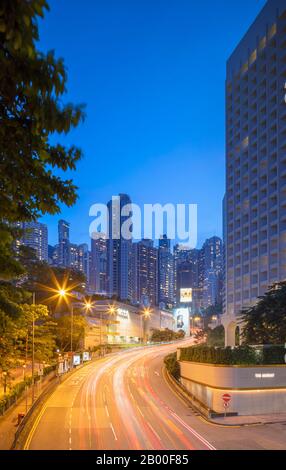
(111, 404)
(122, 402)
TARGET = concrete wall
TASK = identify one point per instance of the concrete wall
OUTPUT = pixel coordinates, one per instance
(253, 390)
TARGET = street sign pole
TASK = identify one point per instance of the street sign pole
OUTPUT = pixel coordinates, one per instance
(226, 398)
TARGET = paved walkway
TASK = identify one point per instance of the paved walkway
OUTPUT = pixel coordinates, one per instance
(250, 420)
(9, 422)
(17, 375)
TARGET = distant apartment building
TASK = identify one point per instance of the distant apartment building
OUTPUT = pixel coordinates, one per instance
(211, 279)
(255, 200)
(79, 259)
(64, 249)
(145, 273)
(98, 266)
(35, 236)
(165, 272)
(119, 250)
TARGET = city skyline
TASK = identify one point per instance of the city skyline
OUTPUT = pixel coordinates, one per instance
(176, 133)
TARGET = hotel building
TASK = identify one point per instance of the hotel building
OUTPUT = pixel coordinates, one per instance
(255, 201)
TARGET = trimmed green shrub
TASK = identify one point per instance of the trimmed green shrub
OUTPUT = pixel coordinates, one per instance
(172, 365)
(242, 355)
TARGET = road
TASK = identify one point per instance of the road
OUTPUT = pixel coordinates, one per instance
(123, 402)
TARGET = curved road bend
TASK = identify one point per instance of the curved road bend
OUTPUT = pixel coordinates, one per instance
(123, 402)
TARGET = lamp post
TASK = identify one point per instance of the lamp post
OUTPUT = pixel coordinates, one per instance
(63, 293)
(33, 347)
(144, 316)
(4, 382)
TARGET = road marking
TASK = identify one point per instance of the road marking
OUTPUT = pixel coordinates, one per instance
(107, 412)
(153, 430)
(157, 373)
(115, 437)
(191, 430)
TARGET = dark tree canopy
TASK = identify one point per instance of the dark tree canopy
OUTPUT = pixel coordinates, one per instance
(31, 110)
(32, 114)
(265, 323)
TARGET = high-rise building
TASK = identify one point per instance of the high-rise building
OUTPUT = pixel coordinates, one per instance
(144, 273)
(119, 249)
(35, 236)
(212, 271)
(180, 254)
(64, 254)
(255, 201)
(83, 260)
(165, 272)
(79, 258)
(98, 266)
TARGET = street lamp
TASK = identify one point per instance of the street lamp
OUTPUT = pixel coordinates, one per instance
(144, 317)
(4, 382)
(33, 347)
(63, 294)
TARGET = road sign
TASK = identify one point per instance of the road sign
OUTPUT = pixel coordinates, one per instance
(226, 398)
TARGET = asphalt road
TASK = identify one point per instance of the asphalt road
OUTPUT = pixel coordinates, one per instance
(123, 402)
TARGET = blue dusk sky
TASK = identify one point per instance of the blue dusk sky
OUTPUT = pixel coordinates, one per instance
(152, 75)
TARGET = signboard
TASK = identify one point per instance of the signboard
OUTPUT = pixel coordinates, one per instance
(226, 400)
(76, 360)
(186, 296)
(123, 313)
(61, 368)
(182, 320)
(85, 356)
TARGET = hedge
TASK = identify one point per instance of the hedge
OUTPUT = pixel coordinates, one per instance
(17, 390)
(172, 365)
(242, 355)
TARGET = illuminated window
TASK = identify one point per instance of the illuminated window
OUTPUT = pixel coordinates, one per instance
(253, 57)
(272, 31)
(244, 68)
(262, 43)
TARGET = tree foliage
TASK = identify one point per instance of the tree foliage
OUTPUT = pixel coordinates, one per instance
(160, 336)
(32, 114)
(265, 322)
(64, 332)
(31, 110)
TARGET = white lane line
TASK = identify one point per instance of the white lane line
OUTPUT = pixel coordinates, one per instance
(107, 412)
(153, 430)
(140, 411)
(112, 428)
(192, 431)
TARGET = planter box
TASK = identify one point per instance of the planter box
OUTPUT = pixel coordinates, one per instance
(253, 390)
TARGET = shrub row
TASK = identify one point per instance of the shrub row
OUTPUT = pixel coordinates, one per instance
(243, 355)
(172, 365)
(17, 390)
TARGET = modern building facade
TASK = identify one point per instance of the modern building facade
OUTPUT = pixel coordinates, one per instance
(64, 249)
(113, 322)
(165, 272)
(98, 266)
(255, 201)
(119, 249)
(35, 236)
(211, 279)
(145, 273)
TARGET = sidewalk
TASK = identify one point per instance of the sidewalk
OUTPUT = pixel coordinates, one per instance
(249, 420)
(9, 422)
(16, 376)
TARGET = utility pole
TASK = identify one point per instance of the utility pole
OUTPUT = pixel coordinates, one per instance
(72, 328)
(33, 348)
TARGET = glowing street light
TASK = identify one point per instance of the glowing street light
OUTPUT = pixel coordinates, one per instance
(62, 293)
